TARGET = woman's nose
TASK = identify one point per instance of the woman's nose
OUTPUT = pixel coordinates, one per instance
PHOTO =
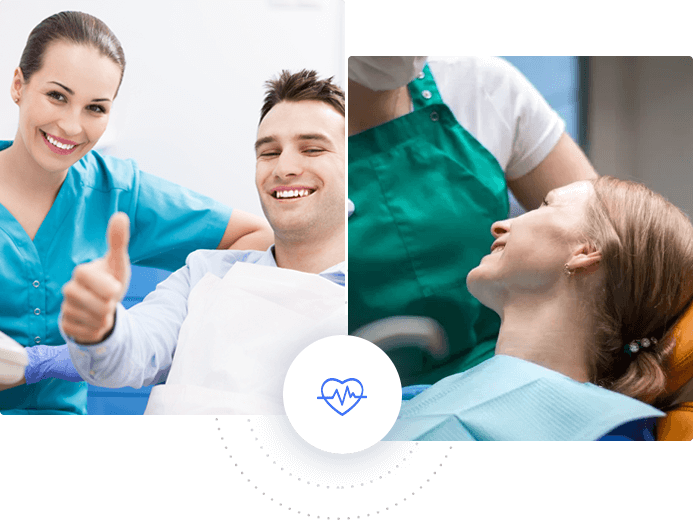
(499, 228)
(71, 123)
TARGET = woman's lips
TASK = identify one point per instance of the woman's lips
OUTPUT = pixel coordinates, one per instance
(59, 146)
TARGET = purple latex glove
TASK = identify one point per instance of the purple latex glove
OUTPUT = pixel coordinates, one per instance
(45, 362)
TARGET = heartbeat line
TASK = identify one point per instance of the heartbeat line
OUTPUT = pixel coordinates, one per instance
(347, 393)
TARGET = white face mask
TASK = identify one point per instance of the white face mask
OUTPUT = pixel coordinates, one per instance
(385, 72)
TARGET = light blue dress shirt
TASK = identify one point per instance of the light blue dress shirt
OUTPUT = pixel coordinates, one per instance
(140, 349)
(167, 222)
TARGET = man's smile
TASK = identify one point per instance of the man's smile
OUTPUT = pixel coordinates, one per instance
(292, 192)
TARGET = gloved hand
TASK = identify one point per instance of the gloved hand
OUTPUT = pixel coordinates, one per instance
(45, 362)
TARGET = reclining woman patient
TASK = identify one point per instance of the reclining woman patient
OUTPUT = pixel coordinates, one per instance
(587, 287)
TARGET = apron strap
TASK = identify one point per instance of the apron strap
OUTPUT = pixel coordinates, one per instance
(424, 91)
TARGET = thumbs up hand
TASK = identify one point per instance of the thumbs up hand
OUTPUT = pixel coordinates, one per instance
(91, 296)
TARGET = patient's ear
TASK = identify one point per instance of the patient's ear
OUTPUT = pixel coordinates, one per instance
(587, 262)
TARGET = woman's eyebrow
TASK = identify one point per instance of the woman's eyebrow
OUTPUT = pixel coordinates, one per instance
(70, 91)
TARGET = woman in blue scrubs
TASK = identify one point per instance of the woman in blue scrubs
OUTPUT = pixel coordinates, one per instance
(57, 195)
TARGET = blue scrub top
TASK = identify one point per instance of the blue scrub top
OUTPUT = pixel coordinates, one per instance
(167, 222)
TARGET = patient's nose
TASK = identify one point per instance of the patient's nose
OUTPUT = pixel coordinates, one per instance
(500, 228)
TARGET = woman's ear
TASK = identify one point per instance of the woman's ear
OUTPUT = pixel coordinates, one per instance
(17, 84)
(586, 259)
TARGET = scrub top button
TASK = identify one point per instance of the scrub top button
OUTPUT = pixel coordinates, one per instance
(37, 339)
(36, 283)
(434, 116)
(427, 94)
(422, 75)
(37, 311)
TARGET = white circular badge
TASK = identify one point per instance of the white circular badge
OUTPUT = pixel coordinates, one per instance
(342, 394)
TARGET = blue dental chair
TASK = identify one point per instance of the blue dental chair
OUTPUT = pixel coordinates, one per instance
(127, 401)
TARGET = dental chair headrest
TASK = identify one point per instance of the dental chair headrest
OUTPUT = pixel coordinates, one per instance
(679, 367)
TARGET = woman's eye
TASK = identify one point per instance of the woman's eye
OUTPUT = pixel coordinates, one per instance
(56, 95)
(314, 150)
(269, 154)
(545, 203)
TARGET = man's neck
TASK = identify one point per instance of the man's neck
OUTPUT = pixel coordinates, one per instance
(313, 256)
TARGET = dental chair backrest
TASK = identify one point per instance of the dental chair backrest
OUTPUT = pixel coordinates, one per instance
(678, 423)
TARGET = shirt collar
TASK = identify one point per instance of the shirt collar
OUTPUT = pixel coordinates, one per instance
(334, 273)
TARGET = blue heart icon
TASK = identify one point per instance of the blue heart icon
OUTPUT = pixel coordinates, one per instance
(342, 402)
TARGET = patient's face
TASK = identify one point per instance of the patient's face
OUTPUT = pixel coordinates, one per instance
(534, 248)
(300, 169)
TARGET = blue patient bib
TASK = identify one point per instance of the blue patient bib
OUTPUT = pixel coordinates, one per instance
(507, 398)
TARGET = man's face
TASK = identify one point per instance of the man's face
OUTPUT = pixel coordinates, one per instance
(300, 169)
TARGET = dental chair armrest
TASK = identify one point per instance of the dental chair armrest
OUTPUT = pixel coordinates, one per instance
(407, 331)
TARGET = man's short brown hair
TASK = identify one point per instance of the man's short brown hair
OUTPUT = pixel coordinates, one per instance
(302, 86)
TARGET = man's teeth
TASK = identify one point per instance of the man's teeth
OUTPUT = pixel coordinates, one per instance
(288, 194)
(59, 145)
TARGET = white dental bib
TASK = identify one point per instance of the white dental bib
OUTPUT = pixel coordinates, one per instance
(240, 336)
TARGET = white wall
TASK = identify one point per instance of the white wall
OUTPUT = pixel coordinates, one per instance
(189, 104)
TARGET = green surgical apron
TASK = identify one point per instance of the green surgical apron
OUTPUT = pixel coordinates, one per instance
(425, 194)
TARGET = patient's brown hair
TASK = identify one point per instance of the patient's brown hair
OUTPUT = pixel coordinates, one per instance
(302, 86)
(647, 259)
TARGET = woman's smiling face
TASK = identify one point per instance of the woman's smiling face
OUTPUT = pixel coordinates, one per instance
(65, 106)
(530, 251)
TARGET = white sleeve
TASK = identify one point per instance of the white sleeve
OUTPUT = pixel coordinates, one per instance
(536, 126)
(140, 349)
(494, 102)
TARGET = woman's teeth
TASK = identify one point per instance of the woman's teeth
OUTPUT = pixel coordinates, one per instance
(57, 144)
(288, 194)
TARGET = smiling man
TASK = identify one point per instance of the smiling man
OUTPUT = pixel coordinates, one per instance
(233, 321)
(300, 171)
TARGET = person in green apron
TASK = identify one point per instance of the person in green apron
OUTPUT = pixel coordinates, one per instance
(425, 191)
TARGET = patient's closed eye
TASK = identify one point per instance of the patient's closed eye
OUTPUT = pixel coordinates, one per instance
(313, 150)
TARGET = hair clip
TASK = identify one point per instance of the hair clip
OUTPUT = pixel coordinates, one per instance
(634, 346)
